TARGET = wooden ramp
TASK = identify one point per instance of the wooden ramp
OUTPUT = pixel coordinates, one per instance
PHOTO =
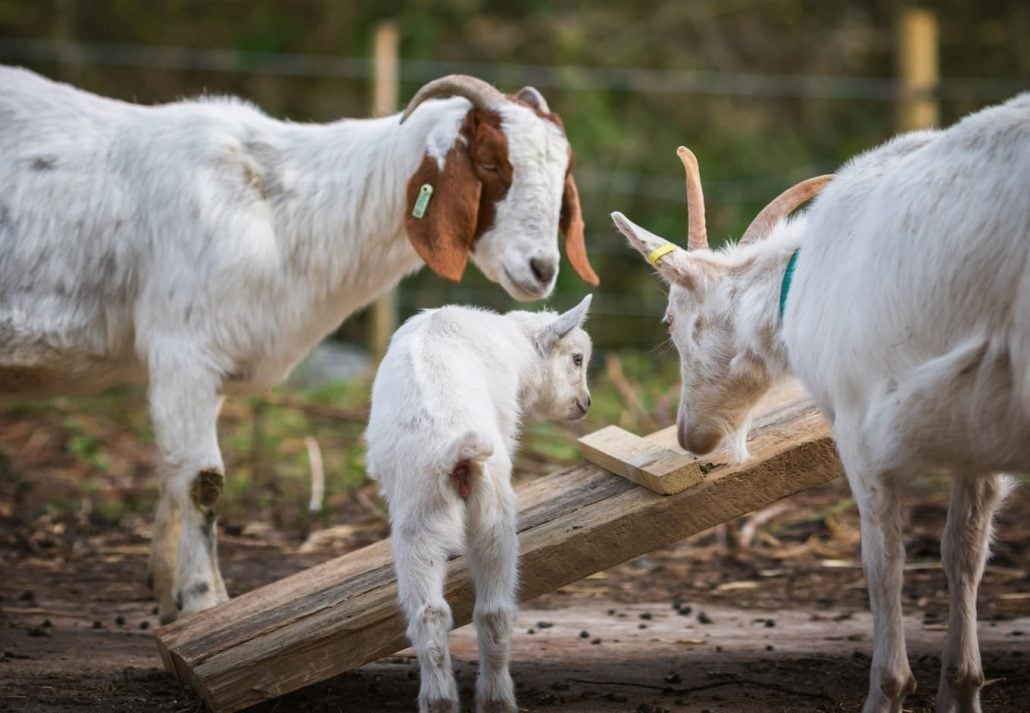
(343, 613)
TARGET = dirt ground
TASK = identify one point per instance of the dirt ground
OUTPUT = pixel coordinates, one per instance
(767, 614)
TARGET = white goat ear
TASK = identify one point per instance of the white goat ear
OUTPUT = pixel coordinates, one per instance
(675, 264)
(563, 324)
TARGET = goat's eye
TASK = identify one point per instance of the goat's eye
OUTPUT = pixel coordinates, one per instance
(488, 166)
(577, 359)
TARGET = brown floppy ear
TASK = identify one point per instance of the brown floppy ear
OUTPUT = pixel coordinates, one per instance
(441, 227)
(571, 223)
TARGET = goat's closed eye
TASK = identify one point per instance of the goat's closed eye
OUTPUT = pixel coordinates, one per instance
(577, 359)
(488, 166)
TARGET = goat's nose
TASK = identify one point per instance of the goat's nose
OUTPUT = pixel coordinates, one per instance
(588, 402)
(543, 269)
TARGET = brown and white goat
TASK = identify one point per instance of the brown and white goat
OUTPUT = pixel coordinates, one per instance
(203, 248)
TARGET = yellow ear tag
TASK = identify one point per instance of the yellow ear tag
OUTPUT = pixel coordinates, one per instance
(422, 202)
(655, 255)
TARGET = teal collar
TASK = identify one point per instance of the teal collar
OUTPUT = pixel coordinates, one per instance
(788, 275)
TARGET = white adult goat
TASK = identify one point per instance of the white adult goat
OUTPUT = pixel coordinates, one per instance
(204, 247)
(908, 319)
(446, 407)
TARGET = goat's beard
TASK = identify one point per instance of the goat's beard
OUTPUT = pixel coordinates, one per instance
(736, 440)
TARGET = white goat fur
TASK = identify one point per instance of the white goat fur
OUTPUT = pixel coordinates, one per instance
(448, 398)
(909, 322)
(204, 248)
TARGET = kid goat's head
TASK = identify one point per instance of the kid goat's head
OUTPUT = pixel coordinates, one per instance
(498, 191)
(559, 392)
(711, 316)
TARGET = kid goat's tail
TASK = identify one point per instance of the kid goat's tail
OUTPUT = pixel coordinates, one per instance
(464, 458)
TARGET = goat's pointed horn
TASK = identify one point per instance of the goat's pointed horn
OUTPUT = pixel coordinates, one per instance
(483, 95)
(697, 233)
(782, 206)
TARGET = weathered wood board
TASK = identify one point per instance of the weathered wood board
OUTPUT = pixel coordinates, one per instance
(656, 462)
(343, 613)
(660, 470)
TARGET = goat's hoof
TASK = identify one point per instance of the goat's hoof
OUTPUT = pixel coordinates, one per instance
(890, 695)
(496, 706)
(959, 691)
(439, 705)
(198, 597)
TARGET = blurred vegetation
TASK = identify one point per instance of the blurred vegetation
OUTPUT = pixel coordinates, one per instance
(615, 71)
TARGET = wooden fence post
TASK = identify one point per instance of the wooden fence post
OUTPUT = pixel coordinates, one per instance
(384, 101)
(917, 70)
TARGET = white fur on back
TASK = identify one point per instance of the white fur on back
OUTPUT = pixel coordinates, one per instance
(923, 243)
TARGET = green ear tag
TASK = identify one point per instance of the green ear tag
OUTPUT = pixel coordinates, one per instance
(422, 202)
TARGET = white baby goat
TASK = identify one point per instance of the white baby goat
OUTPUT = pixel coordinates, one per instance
(908, 320)
(446, 407)
(203, 247)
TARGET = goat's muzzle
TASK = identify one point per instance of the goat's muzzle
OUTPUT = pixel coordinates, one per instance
(696, 440)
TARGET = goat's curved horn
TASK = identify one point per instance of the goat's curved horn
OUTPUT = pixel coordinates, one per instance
(697, 233)
(483, 95)
(782, 206)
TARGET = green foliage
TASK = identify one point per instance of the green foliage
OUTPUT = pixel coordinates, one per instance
(86, 448)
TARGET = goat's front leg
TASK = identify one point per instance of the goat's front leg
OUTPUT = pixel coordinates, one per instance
(493, 563)
(883, 556)
(420, 546)
(183, 557)
(964, 550)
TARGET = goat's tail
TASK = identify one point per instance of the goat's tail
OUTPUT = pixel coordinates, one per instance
(464, 458)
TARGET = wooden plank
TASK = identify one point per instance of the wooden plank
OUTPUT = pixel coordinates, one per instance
(661, 470)
(343, 613)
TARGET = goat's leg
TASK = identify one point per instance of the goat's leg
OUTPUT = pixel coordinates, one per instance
(184, 410)
(964, 550)
(883, 556)
(493, 563)
(420, 556)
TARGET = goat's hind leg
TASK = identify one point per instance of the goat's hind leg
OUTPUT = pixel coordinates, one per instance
(493, 564)
(964, 550)
(420, 548)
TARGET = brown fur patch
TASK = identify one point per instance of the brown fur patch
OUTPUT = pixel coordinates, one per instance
(206, 492)
(476, 175)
